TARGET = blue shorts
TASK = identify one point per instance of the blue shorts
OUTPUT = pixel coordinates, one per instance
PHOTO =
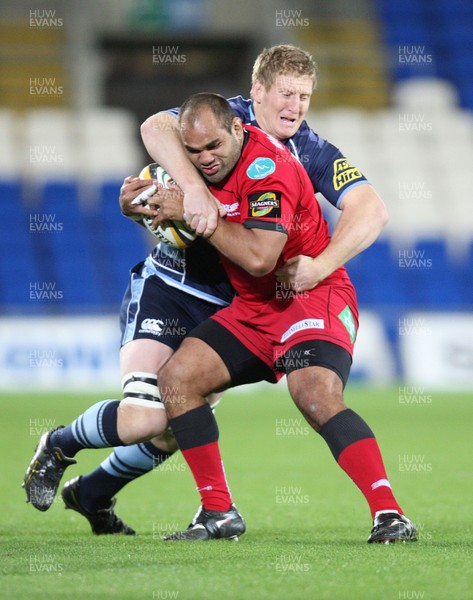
(153, 310)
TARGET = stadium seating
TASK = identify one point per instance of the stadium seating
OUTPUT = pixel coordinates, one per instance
(9, 147)
(426, 39)
(109, 148)
(19, 266)
(120, 242)
(50, 144)
(67, 166)
(64, 226)
(66, 247)
(419, 152)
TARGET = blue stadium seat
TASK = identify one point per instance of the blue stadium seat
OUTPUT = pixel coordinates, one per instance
(120, 241)
(377, 278)
(19, 267)
(412, 34)
(435, 276)
(466, 96)
(465, 275)
(390, 11)
(445, 29)
(10, 193)
(457, 10)
(68, 249)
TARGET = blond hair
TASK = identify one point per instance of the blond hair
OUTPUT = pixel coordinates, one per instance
(283, 60)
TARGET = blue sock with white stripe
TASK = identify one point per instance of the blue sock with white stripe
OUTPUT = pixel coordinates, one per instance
(122, 466)
(129, 462)
(95, 428)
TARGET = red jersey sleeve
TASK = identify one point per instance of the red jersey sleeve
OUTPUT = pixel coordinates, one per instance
(276, 194)
(270, 185)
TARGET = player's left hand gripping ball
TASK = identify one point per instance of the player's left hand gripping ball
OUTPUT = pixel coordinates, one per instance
(174, 233)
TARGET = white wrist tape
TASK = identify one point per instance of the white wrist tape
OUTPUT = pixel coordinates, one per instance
(145, 194)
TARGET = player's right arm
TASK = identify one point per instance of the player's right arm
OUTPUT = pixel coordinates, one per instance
(363, 214)
(254, 250)
(160, 134)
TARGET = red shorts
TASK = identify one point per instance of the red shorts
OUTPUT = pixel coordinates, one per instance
(270, 329)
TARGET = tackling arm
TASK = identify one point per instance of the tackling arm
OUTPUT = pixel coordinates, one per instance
(363, 217)
(161, 138)
(160, 135)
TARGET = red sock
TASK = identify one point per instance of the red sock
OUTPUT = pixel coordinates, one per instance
(362, 461)
(207, 467)
(196, 432)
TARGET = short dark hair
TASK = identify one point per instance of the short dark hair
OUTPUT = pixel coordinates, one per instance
(193, 106)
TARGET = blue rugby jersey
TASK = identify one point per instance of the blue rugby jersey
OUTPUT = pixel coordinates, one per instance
(197, 270)
(330, 172)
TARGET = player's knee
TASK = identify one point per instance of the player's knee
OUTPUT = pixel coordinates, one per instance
(141, 388)
(141, 413)
(174, 378)
(318, 394)
(140, 422)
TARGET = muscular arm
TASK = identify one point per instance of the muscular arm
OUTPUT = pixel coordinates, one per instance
(161, 138)
(363, 218)
(255, 250)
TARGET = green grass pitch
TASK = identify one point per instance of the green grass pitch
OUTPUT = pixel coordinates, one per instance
(307, 523)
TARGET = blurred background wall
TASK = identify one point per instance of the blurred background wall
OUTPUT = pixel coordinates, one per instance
(395, 94)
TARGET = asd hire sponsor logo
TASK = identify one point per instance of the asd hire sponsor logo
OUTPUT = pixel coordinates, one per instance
(343, 173)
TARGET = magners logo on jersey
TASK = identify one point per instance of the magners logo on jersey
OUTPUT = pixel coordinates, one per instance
(264, 204)
(343, 173)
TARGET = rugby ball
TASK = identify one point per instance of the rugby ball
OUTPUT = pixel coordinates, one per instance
(173, 233)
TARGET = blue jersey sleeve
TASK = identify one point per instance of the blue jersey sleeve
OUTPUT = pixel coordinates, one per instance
(173, 111)
(329, 170)
(243, 108)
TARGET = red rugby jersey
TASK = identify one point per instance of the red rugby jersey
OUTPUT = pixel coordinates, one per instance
(269, 189)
